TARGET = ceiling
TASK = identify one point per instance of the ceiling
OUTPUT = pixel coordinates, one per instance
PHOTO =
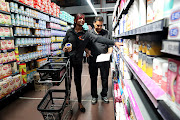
(69, 3)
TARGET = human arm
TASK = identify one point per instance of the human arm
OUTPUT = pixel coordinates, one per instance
(65, 40)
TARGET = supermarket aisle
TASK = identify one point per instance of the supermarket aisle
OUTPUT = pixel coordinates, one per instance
(25, 108)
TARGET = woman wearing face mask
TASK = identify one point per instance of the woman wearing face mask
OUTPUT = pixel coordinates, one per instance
(79, 39)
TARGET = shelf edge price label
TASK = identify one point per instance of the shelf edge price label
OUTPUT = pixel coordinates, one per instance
(171, 47)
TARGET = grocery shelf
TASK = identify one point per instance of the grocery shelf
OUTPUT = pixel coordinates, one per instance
(34, 36)
(8, 62)
(58, 23)
(10, 75)
(31, 59)
(171, 47)
(123, 11)
(5, 25)
(4, 12)
(32, 45)
(149, 28)
(148, 85)
(143, 110)
(56, 49)
(166, 112)
(6, 38)
(28, 6)
(5, 51)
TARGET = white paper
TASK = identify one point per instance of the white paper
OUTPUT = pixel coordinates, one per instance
(103, 57)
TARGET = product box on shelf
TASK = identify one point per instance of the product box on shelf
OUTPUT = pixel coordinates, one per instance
(149, 66)
(174, 16)
(173, 80)
(164, 76)
(22, 70)
(3, 44)
(158, 69)
(4, 88)
(150, 11)
(18, 81)
(174, 32)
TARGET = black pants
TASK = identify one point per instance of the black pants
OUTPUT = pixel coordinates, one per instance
(77, 65)
(93, 70)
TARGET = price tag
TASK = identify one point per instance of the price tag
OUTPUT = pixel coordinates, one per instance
(158, 26)
(171, 47)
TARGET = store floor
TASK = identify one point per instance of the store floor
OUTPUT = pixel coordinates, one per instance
(25, 108)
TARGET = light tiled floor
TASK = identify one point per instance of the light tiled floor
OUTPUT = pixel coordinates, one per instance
(25, 108)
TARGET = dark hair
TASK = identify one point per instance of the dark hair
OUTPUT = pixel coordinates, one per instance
(77, 15)
(98, 18)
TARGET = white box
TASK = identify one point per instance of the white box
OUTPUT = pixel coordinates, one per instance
(174, 32)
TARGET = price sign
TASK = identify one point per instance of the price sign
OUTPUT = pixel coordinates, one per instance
(171, 47)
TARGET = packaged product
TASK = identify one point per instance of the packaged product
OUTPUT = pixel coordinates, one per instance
(18, 81)
(144, 59)
(153, 48)
(5, 86)
(5, 57)
(10, 44)
(1, 73)
(7, 32)
(150, 12)
(1, 89)
(7, 19)
(3, 44)
(4, 70)
(2, 33)
(149, 66)
(140, 59)
(22, 70)
(7, 7)
(14, 67)
(173, 80)
(174, 16)
(158, 69)
(3, 5)
(164, 76)
(11, 84)
(11, 56)
(1, 58)
(1, 18)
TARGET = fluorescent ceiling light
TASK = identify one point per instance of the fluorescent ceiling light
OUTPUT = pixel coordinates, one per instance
(92, 7)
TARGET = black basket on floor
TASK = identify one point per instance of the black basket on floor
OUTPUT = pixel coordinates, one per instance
(52, 106)
(52, 72)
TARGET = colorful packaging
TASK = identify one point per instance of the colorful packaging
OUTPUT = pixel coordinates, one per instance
(3, 44)
(1, 18)
(1, 57)
(158, 69)
(164, 76)
(140, 59)
(22, 70)
(173, 80)
(150, 11)
(144, 59)
(7, 32)
(153, 48)
(1, 73)
(5, 57)
(17, 80)
(10, 44)
(149, 66)
(174, 16)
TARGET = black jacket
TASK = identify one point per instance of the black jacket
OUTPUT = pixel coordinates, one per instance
(80, 40)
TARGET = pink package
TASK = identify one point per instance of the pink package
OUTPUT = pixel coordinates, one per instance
(173, 80)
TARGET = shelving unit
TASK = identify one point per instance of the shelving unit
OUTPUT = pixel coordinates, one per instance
(156, 98)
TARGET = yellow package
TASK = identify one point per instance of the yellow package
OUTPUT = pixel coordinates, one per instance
(149, 66)
(144, 59)
(154, 48)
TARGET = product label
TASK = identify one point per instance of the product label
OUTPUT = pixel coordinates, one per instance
(175, 16)
(172, 66)
(173, 32)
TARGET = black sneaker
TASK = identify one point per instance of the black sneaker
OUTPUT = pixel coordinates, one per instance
(94, 101)
(105, 99)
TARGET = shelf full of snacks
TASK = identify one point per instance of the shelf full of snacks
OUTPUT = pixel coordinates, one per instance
(150, 35)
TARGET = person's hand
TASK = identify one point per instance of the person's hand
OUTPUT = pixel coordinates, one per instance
(88, 52)
(65, 49)
(118, 44)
